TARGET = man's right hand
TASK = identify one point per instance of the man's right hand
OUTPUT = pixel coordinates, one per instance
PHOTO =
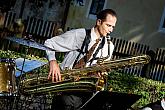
(54, 71)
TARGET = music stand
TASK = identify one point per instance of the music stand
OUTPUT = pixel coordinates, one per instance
(105, 100)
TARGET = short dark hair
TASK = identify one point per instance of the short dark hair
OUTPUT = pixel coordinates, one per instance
(103, 14)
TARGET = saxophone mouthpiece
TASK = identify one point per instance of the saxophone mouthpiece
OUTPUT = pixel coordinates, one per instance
(108, 37)
(108, 34)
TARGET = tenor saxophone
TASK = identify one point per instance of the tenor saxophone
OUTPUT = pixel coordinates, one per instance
(84, 79)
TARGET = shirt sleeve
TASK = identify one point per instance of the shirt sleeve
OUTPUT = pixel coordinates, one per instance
(66, 42)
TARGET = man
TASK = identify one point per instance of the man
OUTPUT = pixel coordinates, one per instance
(74, 43)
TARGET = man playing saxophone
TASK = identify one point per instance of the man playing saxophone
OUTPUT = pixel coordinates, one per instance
(83, 47)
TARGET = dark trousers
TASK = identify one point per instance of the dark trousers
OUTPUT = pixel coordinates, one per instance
(70, 101)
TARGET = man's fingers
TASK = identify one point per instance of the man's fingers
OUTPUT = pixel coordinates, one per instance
(53, 76)
(59, 77)
(99, 74)
(56, 76)
(49, 75)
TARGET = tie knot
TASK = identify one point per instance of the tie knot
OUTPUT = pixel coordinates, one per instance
(97, 40)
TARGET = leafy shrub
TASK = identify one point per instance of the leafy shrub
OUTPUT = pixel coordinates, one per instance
(150, 90)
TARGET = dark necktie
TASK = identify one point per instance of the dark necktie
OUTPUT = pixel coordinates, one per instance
(82, 62)
(97, 50)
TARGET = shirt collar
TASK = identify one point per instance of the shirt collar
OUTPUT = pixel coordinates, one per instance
(93, 35)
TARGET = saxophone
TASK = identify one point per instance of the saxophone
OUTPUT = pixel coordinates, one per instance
(84, 79)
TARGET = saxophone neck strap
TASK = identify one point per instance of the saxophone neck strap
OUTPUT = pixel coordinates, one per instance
(84, 47)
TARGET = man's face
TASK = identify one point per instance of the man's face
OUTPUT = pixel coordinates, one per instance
(106, 26)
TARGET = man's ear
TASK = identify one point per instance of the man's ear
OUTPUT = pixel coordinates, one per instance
(98, 21)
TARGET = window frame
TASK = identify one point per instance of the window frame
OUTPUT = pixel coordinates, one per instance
(93, 16)
(162, 22)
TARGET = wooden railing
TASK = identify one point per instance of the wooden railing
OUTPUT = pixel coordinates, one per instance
(154, 70)
(6, 24)
(40, 27)
(125, 48)
(9, 19)
(157, 70)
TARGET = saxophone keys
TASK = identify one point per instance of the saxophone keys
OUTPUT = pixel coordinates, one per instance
(77, 78)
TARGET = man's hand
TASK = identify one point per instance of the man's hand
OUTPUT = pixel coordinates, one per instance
(54, 71)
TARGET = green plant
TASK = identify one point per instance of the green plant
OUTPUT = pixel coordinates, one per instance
(150, 90)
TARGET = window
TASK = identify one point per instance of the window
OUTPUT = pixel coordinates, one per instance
(96, 6)
(162, 23)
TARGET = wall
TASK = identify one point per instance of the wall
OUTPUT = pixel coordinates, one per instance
(77, 16)
(50, 10)
(138, 20)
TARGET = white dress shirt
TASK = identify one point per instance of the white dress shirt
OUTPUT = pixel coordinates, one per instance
(70, 42)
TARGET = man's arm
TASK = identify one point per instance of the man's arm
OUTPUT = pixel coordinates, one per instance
(54, 69)
(62, 43)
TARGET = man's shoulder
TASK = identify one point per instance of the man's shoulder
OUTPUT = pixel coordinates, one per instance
(80, 29)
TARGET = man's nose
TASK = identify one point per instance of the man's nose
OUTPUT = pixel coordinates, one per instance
(110, 29)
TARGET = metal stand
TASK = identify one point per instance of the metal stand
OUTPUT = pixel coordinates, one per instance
(105, 89)
(89, 99)
(16, 99)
